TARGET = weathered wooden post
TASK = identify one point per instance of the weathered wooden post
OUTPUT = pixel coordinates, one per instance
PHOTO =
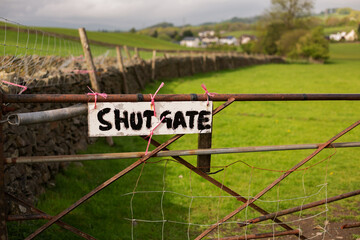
(192, 62)
(91, 67)
(136, 53)
(138, 78)
(166, 56)
(204, 62)
(153, 65)
(122, 69)
(89, 59)
(214, 59)
(127, 53)
(3, 229)
(231, 61)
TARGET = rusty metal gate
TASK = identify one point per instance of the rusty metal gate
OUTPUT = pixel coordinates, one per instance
(162, 150)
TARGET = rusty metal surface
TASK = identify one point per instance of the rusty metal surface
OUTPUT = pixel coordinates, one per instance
(28, 217)
(174, 153)
(299, 208)
(269, 187)
(225, 188)
(350, 225)
(82, 98)
(59, 223)
(263, 235)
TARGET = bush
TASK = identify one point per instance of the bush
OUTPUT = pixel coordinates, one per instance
(313, 45)
(248, 47)
(287, 44)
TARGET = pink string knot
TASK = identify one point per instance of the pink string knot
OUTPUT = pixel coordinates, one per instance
(207, 93)
(152, 104)
(95, 94)
(151, 134)
(24, 88)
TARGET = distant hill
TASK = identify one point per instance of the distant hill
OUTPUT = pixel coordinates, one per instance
(243, 20)
(162, 25)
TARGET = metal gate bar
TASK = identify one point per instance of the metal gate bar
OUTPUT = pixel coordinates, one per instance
(115, 177)
(295, 232)
(265, 190)
(127, 155)
(82, 98)
(299, 208)
(60, 223)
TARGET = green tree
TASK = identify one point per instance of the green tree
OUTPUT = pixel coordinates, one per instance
(155, 34)
(286, 45)
(289, 11)
(187, 33)
(132, 30)
(313, 45)
(268, 38)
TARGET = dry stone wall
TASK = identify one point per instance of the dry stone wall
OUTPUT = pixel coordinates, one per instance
(28, 181)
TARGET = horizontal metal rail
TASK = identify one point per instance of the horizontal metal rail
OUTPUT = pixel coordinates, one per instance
(263, 235)
(299, 208)
(82, 98)
(350, 225)
(126, 155)
(47, 116)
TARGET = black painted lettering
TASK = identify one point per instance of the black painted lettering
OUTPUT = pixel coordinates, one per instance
(179, 119)
(203, 119)
(191, 115)
(133, 124)
(167, 120)
(148, 114)
(101, 119)
(119, 120)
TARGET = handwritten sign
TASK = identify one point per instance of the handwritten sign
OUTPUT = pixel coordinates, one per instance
(137, 118)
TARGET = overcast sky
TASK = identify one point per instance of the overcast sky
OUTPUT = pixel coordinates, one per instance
(125, 14)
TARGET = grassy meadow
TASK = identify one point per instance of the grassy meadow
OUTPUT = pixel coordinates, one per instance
(168, 196)
(23, 43)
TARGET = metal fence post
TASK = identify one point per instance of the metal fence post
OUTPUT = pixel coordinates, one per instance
(204, 161)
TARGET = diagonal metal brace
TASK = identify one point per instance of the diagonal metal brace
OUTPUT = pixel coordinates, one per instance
(47, 216)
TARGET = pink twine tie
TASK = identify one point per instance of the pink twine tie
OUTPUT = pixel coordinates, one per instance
(207, 94)
(95, 94)
(151, 134)
(153, 98)
(16, 85)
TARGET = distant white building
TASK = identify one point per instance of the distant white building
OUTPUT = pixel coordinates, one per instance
(207, 34)
(210, 40)
(190, 42)
(245, 38)
(351, 36)
(229, 40)
(338, 36)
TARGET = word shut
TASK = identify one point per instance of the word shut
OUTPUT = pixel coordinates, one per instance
(137, 118)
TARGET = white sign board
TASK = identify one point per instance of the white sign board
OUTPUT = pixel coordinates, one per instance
(137, 118)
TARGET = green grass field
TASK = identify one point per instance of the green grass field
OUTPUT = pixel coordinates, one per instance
(23, 43)
(106, 215)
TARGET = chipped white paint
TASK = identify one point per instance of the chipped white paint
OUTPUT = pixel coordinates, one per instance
(136, 118)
